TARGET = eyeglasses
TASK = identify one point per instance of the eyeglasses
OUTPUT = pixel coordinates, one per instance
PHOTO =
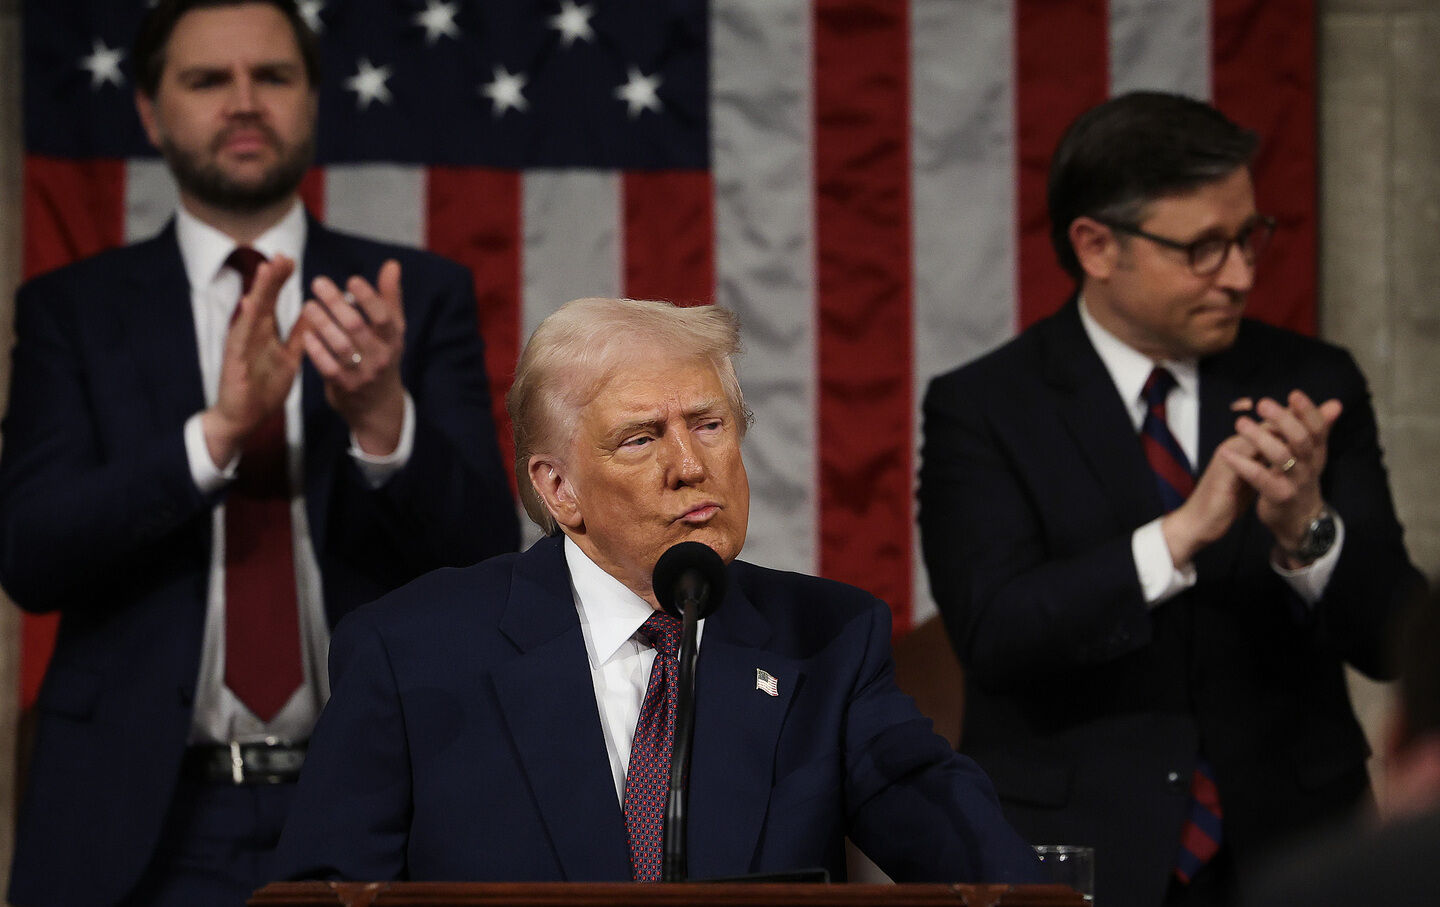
(1207, 255)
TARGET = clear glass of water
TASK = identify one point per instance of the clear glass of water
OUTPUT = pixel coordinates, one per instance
(1070, 864)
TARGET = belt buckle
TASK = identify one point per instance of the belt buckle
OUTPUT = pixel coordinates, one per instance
(237, 763)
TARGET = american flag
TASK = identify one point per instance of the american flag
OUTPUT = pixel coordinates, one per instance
(861, 180)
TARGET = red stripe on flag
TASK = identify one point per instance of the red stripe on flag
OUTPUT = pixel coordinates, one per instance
(312, 192)
(1264, 79)
(862, 237)
(669, 236)
(474, 218)
(72, 209)
(1061, 69)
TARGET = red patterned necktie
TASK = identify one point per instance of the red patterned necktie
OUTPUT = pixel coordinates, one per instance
(647, 782)
(1200, 838)
(262, 624)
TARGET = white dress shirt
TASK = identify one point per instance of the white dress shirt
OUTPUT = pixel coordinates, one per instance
(610, 615)
(219, 716)
(1160, 579)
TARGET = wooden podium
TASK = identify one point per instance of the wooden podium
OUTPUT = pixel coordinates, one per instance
(675, 894)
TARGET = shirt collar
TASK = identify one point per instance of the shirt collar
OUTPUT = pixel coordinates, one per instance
(1128, 367)
(204, 248)
(609, 609)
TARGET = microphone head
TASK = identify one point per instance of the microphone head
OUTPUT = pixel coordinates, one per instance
(693, 568)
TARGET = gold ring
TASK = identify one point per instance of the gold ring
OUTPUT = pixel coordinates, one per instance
(1284, 467)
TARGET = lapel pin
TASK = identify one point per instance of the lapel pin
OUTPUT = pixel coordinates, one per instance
(764, 681)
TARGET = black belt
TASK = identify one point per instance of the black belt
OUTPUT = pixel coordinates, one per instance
(267, 762)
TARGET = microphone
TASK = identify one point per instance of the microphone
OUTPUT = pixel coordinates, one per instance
(689, 582)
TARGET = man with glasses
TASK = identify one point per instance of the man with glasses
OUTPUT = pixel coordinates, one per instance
(1156, 529)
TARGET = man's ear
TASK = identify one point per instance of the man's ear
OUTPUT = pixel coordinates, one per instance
(1095, 247)
(145, 106)
(548, 478)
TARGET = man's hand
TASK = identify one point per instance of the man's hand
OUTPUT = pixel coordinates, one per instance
(1290, 447)
(1220, 496)
(356, 340)
(257, 368)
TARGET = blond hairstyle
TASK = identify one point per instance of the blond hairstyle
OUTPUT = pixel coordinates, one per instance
(575, 350)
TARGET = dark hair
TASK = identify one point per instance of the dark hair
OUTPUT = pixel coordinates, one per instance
(155, 29)
(1133, 149)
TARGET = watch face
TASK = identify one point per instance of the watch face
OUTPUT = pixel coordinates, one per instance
(1318, 538)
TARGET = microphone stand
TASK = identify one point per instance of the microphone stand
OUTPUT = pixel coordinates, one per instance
(691, 596)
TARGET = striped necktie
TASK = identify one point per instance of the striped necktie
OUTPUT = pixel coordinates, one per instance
(1174, 478)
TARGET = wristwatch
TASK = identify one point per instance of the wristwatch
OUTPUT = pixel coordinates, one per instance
(1319, 537)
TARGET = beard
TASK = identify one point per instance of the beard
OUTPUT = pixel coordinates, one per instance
(205, 180)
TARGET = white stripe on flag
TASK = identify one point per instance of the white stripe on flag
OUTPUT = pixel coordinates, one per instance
(379, 201)
(963, 193)
(570, 222)
(1161, 46)
(760, 127)
(150, 197)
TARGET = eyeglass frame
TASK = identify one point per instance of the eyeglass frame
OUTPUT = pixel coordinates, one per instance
(1261, 221)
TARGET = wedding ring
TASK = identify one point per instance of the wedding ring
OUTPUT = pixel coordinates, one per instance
(1284, 467)
(356, 359)
(349, 298)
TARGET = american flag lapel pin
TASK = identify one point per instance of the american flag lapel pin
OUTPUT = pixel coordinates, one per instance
(764, 681)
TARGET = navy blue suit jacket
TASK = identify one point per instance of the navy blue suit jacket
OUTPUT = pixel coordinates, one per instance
(101, 521)
(1086, 707)
(462, 742)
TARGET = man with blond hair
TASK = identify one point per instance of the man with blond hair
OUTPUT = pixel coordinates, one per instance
(483, 721)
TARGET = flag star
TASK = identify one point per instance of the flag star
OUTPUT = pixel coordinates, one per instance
(368, 83)
(438, 20)
(639, 92)
(103, 64)
(310, 12)
(505, 91)
(573, 22)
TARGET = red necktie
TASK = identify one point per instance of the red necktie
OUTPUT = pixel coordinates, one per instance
(1200, 837)
(262, 624)
(647, 782)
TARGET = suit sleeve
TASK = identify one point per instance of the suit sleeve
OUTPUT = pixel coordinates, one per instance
(451, 504)
(1015, 610)
(1374, 578)
(80, 515)
(350, 819)
(917, 808)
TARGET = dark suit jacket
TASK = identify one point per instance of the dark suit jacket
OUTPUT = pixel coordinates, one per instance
(463, 742)
(1088, 709)
(1393, 865)
(100, 521)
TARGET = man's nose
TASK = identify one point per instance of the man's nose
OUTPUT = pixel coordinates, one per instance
(242, 98)
(1236, 274)
(686, 464)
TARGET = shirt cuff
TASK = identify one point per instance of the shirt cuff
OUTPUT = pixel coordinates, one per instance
(1160, 579)
(207, 476)
(378, 470)
(1309, 582)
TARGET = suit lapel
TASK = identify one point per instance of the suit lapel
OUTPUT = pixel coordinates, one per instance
(1096, 417)
(737, 727)
(159, 328)
(548, 700)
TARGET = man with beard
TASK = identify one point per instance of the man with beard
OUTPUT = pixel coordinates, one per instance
(201, 488)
